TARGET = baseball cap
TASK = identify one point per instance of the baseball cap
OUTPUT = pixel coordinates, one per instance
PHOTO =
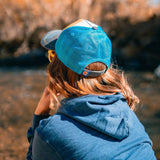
(80, 44)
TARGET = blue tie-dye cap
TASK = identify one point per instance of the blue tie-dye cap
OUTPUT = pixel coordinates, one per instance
(79, 45)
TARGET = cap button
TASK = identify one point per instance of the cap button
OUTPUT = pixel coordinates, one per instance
(94, 27)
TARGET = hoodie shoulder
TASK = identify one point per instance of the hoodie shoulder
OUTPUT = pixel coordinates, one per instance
(105, 123)
(106, 114)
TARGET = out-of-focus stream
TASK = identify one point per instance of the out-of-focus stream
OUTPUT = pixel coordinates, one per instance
(20, 91)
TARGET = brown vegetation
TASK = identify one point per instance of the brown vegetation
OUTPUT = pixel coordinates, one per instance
(23, 22)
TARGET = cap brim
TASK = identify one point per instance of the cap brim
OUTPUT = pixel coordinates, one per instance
(49, 40)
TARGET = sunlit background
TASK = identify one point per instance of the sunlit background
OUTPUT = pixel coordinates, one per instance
(132, 25)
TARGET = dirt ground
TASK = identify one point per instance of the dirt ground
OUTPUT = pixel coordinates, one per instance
(21, 89)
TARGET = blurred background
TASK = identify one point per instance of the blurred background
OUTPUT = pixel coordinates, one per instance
(132, 25)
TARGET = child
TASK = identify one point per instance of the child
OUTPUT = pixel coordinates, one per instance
(95, 120)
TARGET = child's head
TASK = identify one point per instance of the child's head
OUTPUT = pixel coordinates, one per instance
(79, 45)
(80, 63)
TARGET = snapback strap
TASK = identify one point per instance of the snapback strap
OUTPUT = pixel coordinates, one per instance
(90, 73)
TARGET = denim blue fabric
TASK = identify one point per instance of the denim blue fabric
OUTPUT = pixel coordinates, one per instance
(30, 133)
(91, 128)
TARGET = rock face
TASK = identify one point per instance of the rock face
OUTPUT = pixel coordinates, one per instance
(138, 46)
(132, 25)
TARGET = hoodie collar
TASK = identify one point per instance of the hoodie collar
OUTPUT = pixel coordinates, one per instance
(107, 114)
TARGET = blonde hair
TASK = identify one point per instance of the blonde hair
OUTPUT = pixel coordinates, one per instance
(63, 81)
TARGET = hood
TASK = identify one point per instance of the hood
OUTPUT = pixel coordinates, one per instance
(107, 114)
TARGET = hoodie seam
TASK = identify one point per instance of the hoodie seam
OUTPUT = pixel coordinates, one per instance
(99, 112)
(125, 118)
(122, 116)
(120, 111)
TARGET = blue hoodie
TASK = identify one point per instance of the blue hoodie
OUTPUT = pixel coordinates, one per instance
(90, 127)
